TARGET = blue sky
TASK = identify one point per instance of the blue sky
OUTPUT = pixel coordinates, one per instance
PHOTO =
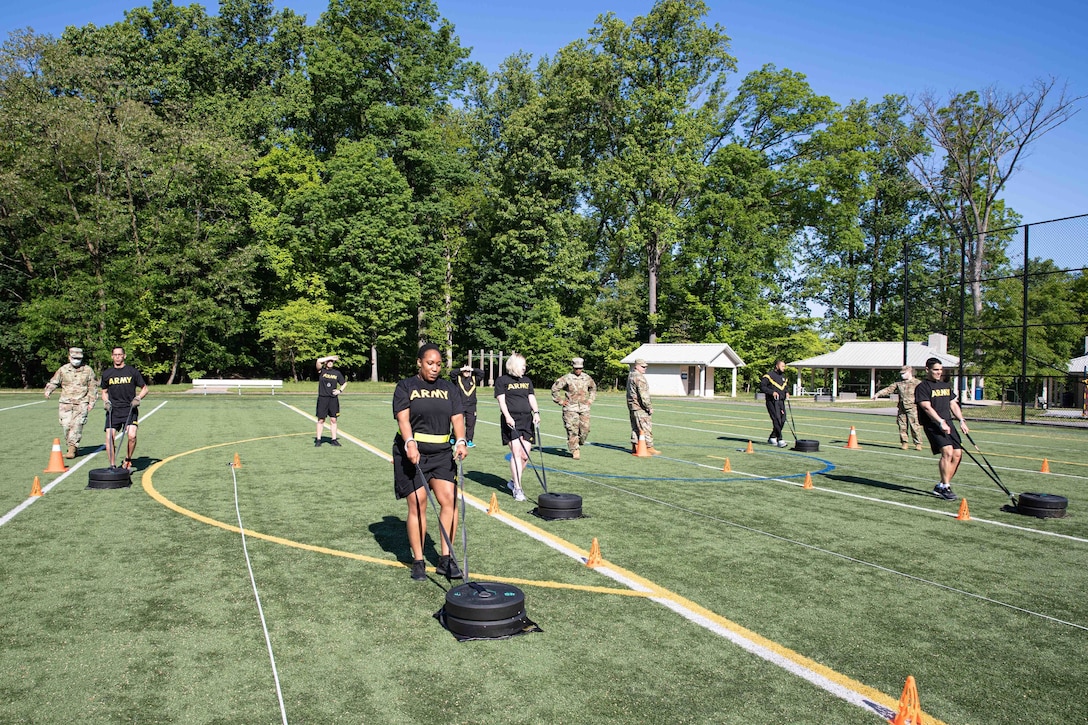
(848, 49)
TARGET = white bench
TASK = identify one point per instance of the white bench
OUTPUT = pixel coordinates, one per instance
(222, 385)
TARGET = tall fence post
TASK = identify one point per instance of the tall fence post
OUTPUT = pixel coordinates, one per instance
(1024, 335)
(963, 297)
(906, 297)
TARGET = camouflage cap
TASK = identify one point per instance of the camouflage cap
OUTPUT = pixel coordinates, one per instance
(75, 352)
(640, 361)
(577, 363)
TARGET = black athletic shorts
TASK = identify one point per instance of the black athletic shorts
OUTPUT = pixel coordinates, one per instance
(524, 424)
(116, 418)
(328, 406)
(433, 465)
(939, 439)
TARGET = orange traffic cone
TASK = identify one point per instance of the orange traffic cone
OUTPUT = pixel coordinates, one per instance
(641, 450)
(1046, 466)
(36, 489)
(237, 463)
(594, 554)
(726, 468)
(808, 480)
(56, 459)
(964, 514)
(749, 448)
(910, 709)
(852, 441)
(493, 507)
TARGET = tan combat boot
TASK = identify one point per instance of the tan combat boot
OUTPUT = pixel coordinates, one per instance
(71, 452)
(905, 445)
(576, 455)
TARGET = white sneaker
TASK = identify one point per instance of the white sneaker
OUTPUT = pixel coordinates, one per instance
(519, 495)
(783, 444)
(772, 441)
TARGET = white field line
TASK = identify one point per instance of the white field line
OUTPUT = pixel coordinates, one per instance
(23, 405)
(257, 597)
(843, 435)
(836, 554)
(848, 494)
(52, 484)
(832, 682)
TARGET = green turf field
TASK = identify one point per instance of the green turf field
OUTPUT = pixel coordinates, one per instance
(733, 597)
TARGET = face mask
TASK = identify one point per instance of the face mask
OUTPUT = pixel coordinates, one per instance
(75, 363)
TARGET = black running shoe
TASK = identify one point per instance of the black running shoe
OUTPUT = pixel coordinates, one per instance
(334, 442)
(448, 568)
(317, 442)
(944, 492)
(419, 570)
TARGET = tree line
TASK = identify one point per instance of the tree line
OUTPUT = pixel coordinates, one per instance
(241, 193)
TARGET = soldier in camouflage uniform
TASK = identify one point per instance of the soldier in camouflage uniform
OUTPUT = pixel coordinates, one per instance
(78, 390)
(908, 411)
(638, 404)
(580, 392)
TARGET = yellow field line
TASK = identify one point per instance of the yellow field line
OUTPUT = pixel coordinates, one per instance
(147, 481)
(650, 589)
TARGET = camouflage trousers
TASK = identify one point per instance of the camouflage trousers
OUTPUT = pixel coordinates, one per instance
(577, 424)
(73, 416)
(909, 419)
(640, 421)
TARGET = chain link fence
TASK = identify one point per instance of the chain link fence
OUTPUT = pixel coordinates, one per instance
(1014, 306)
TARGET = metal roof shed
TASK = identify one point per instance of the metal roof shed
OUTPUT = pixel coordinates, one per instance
(686, 369)
(873, 356)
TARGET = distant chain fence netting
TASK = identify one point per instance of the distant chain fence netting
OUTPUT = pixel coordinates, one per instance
(1015, 310)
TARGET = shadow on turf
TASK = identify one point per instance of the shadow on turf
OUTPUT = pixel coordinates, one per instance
(138, 464)
(884, 485)
(487, 479)
(611, 447)
(743, 442)
(390, 534)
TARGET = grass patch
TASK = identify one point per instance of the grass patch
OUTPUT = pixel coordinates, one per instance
(121, 609)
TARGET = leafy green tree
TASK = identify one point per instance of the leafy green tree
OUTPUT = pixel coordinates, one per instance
(982, 138)
(373, 244)
(658, 85)
(1051, 306)
(731, 265)
(304, 329)
(545, 336)
(530, 241)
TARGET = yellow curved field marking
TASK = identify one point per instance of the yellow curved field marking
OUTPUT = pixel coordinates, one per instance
(794, 661)
(147, 481)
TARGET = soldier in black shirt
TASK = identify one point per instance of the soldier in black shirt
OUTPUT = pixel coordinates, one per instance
(121, 399)
(773, 387)
(937, 407)
(330, 383)
(426, 407)
(520, 415)
(467, 380)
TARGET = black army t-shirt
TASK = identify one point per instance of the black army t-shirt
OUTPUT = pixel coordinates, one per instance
(430, 406)
(121, 384)
(517, 392)
(939, 394)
